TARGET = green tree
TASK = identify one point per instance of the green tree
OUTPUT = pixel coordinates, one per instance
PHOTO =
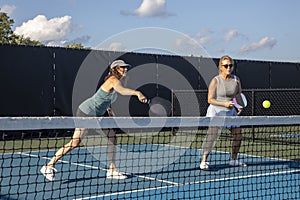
(7, 36)
(76, 46)
(27, 41)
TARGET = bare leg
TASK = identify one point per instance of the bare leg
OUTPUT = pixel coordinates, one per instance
(111, 143)
(75, 141)
(236, 143)
(210, 141)
(111, 148)
(111, 155)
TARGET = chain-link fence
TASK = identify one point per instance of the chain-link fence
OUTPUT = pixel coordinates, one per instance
(283, 102)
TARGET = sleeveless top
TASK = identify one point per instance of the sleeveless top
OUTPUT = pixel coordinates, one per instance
(98, 103)
(226, 90)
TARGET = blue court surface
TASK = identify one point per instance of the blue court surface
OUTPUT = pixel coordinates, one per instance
(81, 176)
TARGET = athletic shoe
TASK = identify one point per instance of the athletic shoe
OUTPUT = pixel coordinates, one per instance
(237, 163)
(48, 172)
(204, 166)
(115, 175)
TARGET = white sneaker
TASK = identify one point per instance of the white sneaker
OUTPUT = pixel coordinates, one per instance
(115, 175)
(48, 172)
(237, 163)
(204, 166)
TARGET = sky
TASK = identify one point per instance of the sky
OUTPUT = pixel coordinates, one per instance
(264, 30)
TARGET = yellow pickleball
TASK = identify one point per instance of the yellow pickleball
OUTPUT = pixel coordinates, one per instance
(266, 104)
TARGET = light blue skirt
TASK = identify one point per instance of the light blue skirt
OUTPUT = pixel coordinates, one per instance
(213, 111)
(220, 111)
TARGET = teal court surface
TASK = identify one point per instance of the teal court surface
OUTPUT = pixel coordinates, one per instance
(82, 176)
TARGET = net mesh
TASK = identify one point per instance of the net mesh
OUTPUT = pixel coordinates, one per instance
(159, 156)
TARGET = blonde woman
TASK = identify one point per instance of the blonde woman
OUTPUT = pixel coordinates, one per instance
(222, 89)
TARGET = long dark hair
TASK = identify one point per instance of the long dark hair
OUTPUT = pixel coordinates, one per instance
(113, 72)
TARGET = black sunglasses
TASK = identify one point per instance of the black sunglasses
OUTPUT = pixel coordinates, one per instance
(226, 66)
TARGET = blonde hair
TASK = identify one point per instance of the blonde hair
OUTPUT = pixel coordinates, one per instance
(226, 57)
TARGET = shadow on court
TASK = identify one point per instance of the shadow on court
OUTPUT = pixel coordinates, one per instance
(74, 180)
(290, 164)
(85, 177)
(6, 198)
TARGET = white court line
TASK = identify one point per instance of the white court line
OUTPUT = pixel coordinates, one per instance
(126, 192)
(62, 161)
(173, 184)
(192, 183)
(199, 182)
(243, 177)
(226, 152)
(99, 168)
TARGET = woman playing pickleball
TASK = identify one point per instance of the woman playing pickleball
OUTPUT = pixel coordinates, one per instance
(222, 89)
(97, 105)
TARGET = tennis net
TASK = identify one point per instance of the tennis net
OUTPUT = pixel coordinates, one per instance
(159, 155)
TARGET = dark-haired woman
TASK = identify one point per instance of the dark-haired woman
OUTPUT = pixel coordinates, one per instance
(97, 105)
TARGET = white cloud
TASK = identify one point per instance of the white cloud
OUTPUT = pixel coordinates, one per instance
(8, 9)
(81, 40)
(220, 50)
(232, 34)
(78, 40)
(204, 40)
(202, 37)
(190, 46)
(266, 42)
(42, 29)
(57, 43)
(151, 8)
(117, 46)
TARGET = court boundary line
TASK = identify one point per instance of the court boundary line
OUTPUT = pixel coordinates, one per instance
(223, 152)
(192, 183)
(146, 177)
(126, 192)
(246, 176)
(199, 182)
(172, 184)
(103, 169)
(226, 152)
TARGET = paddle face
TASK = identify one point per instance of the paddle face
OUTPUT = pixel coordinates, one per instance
(240, 101)
(159, 107)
